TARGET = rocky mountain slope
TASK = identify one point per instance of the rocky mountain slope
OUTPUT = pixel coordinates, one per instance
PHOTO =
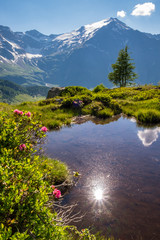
(81, 57)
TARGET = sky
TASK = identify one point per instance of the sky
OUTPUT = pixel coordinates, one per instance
(61, 16)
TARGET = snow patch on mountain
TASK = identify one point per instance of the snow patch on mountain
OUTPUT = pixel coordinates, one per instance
(30, 56)
(83, 33)
(91, 29)
(14, 45)
(4, 60)
(76, 38)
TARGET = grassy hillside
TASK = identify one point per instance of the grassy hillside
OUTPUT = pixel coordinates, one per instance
(140, 102)
(14, 93)
(24, 74)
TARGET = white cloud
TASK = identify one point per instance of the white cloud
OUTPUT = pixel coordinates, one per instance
(121, 14)
(144, 9)
(148, 136)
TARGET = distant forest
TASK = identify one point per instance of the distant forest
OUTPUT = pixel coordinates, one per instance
(9, 90)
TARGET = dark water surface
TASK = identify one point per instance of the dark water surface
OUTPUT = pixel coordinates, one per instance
(119, 188)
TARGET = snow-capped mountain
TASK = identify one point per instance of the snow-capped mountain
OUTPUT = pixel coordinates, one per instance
(81, 57)
(77, 38)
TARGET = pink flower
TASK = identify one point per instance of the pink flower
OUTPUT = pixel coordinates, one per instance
(52, 186)
(18, 112)
(44, 129)
(22, 147)
(57, 193)
(28, 114)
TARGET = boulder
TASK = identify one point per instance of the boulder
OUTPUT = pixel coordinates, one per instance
(55, 91)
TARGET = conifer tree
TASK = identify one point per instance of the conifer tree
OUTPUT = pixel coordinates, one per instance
(123, 73)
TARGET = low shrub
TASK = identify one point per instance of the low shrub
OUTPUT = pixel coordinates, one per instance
(143, 96)
(74, 90)
(99, 88)
(68, 103)
(46, 102)
(23, 192)
(96, 107)
(115, 106)
(25, 179)
(119, 94)
(128, 111)
(87, 110)
(86, 99)
(105, 113)
(54, 124)
(148, 115)
(104, 98)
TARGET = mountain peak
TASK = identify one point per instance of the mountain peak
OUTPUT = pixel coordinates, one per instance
(113, 23)
(79, 36)
(4, 28)
(34, 33)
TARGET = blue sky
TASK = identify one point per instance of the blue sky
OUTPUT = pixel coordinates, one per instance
(59, 16)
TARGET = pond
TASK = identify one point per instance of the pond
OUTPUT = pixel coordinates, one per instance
(119, 187)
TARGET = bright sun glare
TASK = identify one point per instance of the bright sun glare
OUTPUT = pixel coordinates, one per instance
(98, 193)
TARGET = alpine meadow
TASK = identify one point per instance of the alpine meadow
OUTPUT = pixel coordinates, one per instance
(79, 120)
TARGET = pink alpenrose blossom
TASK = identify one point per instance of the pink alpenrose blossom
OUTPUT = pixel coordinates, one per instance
(57, 193)
(22, 147)
(28, 114)
(44, 129)
(52, 186)
(18, 112)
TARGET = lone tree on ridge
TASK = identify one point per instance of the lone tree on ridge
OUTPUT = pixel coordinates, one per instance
(123, 73)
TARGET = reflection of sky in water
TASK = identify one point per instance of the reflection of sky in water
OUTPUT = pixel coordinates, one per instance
(119, 183)
(148, 136)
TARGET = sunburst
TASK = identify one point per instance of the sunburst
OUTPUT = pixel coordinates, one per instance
(98, 194)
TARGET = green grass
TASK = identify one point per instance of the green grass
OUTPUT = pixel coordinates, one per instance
(148, 115)
(5, 107)
(54, 171)
(105, 113)
(142, 102)
(12, 69)
(26, 98)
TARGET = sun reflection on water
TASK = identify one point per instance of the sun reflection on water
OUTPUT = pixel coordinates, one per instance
(98, 194)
